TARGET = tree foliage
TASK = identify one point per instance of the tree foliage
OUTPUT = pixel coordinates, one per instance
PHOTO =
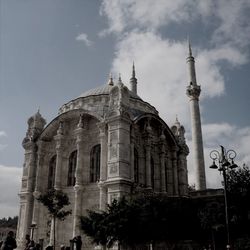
(238, 190)
(146, 219)
(9, 222)
(55, 201)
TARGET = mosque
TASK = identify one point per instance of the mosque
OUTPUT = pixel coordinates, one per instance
(104, 144)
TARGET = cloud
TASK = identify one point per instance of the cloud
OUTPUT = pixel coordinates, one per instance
(2, 133)
(10, 180)
(234, 25)
(229, 136)
(224, 17)
(84, 38)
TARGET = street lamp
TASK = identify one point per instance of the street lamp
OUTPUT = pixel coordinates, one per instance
(225, 160)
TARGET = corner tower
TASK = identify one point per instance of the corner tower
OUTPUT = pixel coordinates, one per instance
(193, 92)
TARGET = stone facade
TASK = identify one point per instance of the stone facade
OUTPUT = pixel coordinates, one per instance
(105, 144)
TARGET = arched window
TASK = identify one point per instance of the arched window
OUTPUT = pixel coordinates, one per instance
(152, 173)
(136, 166)
(52, 170)
(72, 168)
(95, 163)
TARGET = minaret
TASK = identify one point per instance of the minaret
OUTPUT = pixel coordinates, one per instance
(133, 81)
(193, 92)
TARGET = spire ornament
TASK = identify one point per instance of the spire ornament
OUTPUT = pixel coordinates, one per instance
(110, 81)
(133, 80)
(120, 79)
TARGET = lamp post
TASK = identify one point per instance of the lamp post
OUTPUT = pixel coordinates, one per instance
(225, 159)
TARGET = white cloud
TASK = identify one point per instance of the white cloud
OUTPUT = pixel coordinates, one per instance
(229, 19)
(2, 133)
(160, 63)
(229, 136)
(234, 22)
(10, 179)
(84, 38)
(162, 70)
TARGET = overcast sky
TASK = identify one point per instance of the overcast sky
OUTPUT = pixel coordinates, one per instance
(53, 50)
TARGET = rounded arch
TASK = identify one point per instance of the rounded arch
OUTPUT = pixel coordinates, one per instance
(167, 131)
(52, 127)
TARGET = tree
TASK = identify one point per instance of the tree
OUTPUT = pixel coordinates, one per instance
(238, 190)
(55, 201)
(143, 220)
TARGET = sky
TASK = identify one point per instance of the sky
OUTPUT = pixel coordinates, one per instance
(51, 51)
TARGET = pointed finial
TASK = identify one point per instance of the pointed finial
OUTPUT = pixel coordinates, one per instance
(133, 70)
(110, 82)
(119, 79)
(177, 121)
(189, 48)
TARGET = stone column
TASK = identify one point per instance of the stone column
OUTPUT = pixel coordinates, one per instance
(103, 166)
(103, 160)
(170, 176)
(79, 176)
(148, 164)
(103, 195)
(38, 186)
(162, 167)
(181, 175)
(59, 157)
(175, 172)
(77, 210)
(132, 156)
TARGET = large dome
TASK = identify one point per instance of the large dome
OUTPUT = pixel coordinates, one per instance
(104, 90)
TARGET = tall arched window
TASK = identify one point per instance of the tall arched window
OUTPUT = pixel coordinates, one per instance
(52, 170)
(95, 163)
(72, 168)
(136, 166)
(152, 173)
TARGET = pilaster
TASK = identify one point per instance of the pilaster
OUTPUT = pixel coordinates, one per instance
(162, 167)
(59, 138)
(80, 142)
(175, 172)
(170, 177)
(38, 186)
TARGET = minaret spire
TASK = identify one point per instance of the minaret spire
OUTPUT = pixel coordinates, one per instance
(110, 81)
(193, 92)
(189, 48)
(191, 65)
(133, 80)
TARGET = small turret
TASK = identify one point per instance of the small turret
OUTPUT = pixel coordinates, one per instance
(133, 81)
(36, 124)
(179, 131)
